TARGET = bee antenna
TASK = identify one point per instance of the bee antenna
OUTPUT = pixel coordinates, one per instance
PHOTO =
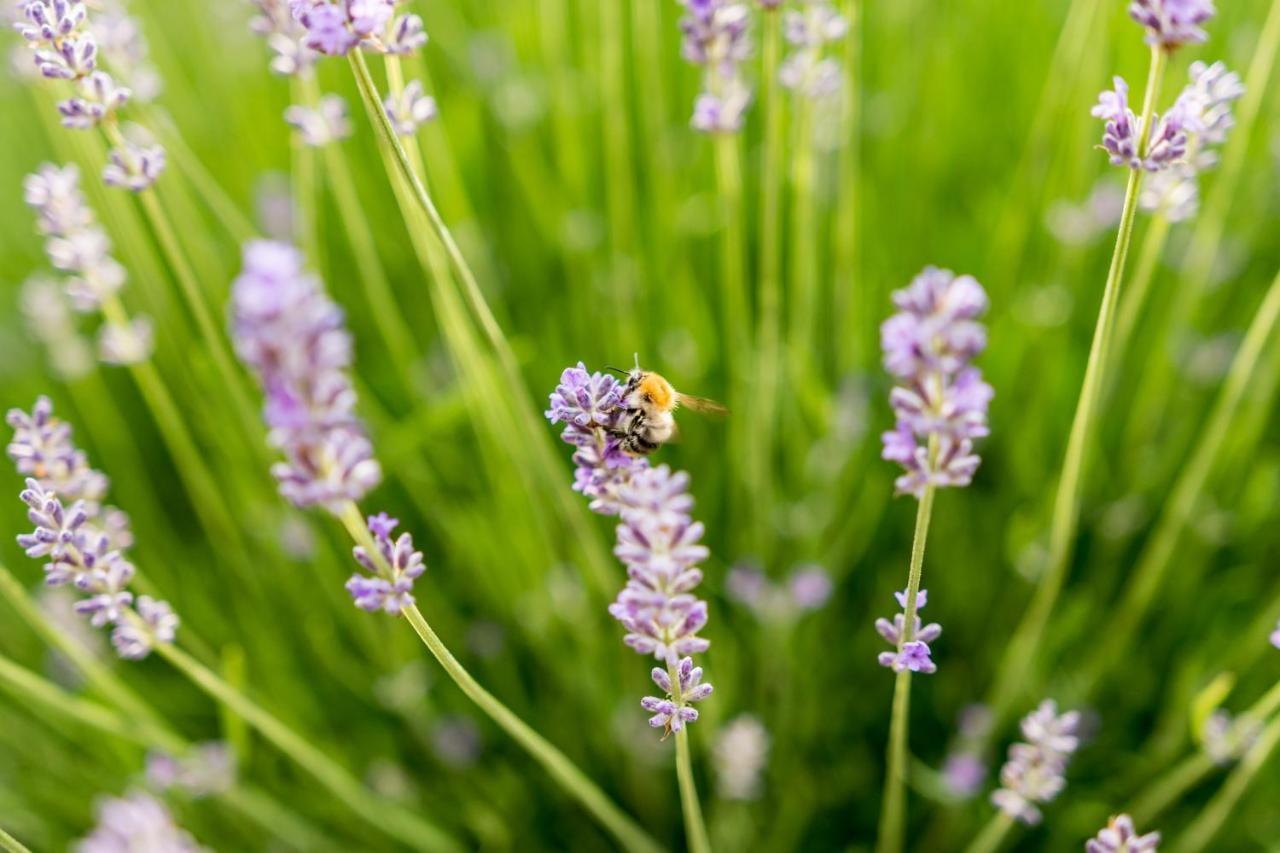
(637, 361)
(617, 370)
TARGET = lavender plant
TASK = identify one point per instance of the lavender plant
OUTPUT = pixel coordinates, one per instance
(136, 821)
(659, 543)
(295, 339)
(1120, 836)
(84, 540)
(717, 38)
(940, 404)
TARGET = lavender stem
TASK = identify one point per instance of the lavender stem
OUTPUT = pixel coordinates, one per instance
(11, 844)
(695, 829)
(1066, 508)
(893, 810)
(992, 835)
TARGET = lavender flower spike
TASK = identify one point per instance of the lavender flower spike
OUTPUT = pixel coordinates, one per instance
(1035, 771)
(940, 400)
(716, 36)
(1170, 23)
(83, 542)
(294, 337)
(1119, 836)
(136, 821)
(394, 568)
(915, 653)
(589, 405)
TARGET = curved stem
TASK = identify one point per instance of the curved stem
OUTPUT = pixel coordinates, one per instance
(1135, 296)
(10, 844)
(624, 829)
(893, 808)
(1066, 507)
(1206, 825)
(392, 819)
(992, 835)
(694, 827)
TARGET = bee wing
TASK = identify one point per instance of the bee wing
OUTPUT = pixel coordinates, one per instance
(702, 405)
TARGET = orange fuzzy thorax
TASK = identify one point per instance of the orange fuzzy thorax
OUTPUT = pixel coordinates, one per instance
(658, 391)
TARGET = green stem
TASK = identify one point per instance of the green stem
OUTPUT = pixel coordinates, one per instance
(760, 454)
(695, 829)
(624, 829)
(992, 835)
(1135, 296)
(1215, 813)
(1161, 547)
(564, 771)
(11, 844)
(1170, 788)
(1066, 507)
(803, 251)
(392, 819)
(893, 809)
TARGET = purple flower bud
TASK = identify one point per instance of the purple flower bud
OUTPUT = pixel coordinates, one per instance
(134, 167)
(394, 567)
(406, 36)
(1035, 770)
(325, 123)
(137, 821)
(1119, 836)
(1170, 23)
(911, 650)
(410, 110)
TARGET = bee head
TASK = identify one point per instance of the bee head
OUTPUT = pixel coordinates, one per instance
(656, 390)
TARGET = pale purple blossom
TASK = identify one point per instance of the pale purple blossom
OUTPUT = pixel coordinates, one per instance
(1035, 771)
(809, 29)
(133, 166)
(322, 124)
(48, 315)
(136, 822)
(128, 343)
(409, 110)
(1120, 836)
(675, 710)
(391, 571)
(335, 28)
(940, 400)
(204, 769)
(405, 36)
(810, 587)
(294, 336)
(741, 751)
(589, 405)
(717, 37)
(964, 773)
(98, 100)
(82, 542)
(1170, 23)
(1275, 636)
(911, 649)
(123, 47)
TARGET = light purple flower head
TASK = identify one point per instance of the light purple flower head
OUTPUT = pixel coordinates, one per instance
(412, 109)
(1035, 771)
(939, 398)
(964, 774)
(1119, 836)
(717, 37)
(288, 330)
(134, 167)
(1275, 636)
(205, 769)
(1171, 23)
(134, 822)
(392, 570)
(589, 405)
(322, 124)
(83, 542)
(910, 650)
(335, 28)
(810, 587)
(675, 710)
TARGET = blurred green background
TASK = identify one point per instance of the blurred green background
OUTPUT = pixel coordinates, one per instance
(563, 161)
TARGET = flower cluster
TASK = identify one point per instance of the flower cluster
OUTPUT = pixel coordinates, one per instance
(394, 567)
(123, 48)
(741, 750)
(1275, 636)
(1174, 192)
(911, 648)
(58, 31)
(940, 400)
(205, 769)
(1122, 131)
(77, 246)
(83, 541)
(336, 28)
(293, 335)
(965, 770)
(659, 543)
(409, 110)
(322, 124)
(589, 405)
(717, 37)
(807, 589)
(1119, 836)
(1170, 23)
(285, 37)
(808, 30)
(136, 821)
(1035, 770)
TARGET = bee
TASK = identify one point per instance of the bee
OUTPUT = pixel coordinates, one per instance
(648, 402)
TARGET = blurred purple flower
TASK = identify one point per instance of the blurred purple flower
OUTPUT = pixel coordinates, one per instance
(1170, 23)
(322, 124)
(136, 822)
(1119, 836)
(963, 774)
(394, 568)
(288, 330)
(810, 587)
(1275, 636)
(134, 167)
(1035, 770)
(940, 398)
(205, 769)
(410, 110)
(716, 36)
